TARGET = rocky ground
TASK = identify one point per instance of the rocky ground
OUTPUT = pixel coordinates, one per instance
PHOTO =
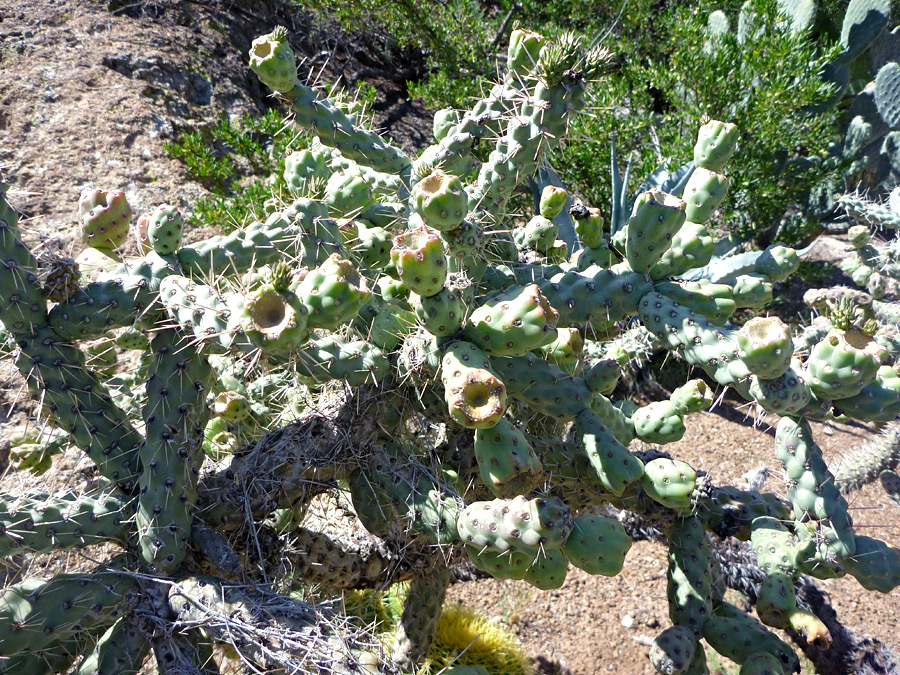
(90, 90)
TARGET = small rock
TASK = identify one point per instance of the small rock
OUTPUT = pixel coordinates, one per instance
(628, 621)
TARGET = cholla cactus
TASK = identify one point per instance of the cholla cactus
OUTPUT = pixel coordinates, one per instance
(407, 312)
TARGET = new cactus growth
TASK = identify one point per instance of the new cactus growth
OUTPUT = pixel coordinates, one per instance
(328, 338)
(105, 217)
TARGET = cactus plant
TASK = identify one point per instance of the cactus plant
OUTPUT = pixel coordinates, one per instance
(476, 338)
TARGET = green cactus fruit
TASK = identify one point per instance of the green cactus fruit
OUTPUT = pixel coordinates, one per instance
(35, 452)
(656, 218)
(441, 315)
(750, 290)
(105, 217)
(132, 339)
(392, 290)
(303, 166)
(538, 234)
(524, 51)
(603, 375)
(658, 422)
(440, 201)
(692, 247)
(273, 61)
(601, 256)
(513, 322)
(614, 466)
(877, 285)
(334, 293)
(716, 143)
(557, 253)
(670, 482)
(843, 363)
(597, 545)
(859, 236)
(703, 193)
(553, 200)
(588, 225)
(444, 120)
(517, 524)
(673, 650)
(165, 229)
(766, 346)
(346, 194)
(548, 571)
(777, 263)
(275, 322)
(418, 256)
(862, 274)
(714, 301)
(762, 664)
(475, 397)
(231, 406)
(218, 441)
(506, 460)
(565, 351)
(691, 397)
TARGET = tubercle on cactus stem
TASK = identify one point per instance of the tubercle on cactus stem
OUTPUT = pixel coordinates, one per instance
(495, 338)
